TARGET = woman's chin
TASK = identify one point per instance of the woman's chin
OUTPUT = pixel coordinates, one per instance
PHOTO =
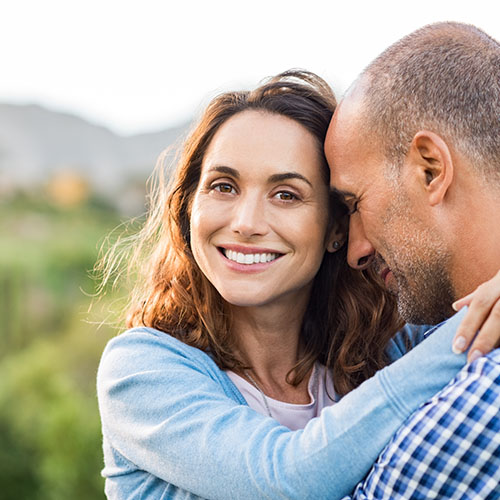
(240, 301)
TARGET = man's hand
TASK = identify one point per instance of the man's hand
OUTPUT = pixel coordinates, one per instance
(482, 318)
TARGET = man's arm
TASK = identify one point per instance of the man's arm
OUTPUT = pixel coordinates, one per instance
(450, 447)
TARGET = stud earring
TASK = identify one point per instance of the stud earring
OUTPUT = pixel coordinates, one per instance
(336, 245)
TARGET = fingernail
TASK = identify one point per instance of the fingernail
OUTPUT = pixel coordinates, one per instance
(474, 355)
(458, 345)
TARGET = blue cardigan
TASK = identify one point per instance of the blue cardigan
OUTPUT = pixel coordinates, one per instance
(175, 426)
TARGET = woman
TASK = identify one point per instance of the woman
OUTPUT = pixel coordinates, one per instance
(245, 300)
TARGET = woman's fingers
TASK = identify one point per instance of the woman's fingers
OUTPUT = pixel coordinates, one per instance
(464, 301)
(489, 335)
(482, 318)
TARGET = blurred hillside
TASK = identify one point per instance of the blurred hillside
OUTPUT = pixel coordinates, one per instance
(38, 145)
(65, 185)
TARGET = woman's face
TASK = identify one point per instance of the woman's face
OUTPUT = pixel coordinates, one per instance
(259, 215)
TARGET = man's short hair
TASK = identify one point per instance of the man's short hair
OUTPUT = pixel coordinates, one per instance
(445, 78)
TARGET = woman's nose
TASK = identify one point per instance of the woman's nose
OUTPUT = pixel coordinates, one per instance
(249, 217)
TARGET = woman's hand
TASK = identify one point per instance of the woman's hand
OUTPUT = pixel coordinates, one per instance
(483, 316)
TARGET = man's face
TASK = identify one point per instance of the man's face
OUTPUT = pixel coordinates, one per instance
(389, 226)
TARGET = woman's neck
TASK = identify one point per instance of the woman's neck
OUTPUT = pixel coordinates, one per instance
(268, 339)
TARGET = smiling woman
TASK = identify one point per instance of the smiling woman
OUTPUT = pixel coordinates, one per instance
(273, 203)
(245, 302)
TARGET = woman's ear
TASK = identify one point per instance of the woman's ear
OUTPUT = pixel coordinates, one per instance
(335, 240)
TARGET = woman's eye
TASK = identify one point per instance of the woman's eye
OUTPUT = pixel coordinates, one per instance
(223, 188)
(286, 196)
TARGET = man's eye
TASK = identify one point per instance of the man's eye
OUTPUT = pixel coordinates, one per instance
(353, 207)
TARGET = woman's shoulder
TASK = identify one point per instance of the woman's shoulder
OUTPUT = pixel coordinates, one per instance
(144, 337)
(148, 348)
(144, 358)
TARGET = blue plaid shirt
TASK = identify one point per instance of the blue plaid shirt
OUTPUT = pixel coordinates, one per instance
(450, 447)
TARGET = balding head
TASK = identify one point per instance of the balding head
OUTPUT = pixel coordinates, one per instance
(445, 78)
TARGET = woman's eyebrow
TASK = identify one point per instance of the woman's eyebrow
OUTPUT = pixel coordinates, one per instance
(225, 170)
(288, 175)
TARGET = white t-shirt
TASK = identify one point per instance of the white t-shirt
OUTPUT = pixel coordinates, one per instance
(293, 416)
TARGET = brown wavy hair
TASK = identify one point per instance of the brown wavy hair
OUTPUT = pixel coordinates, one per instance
(349, 318)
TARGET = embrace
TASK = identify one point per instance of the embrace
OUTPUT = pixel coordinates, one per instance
(292, 327)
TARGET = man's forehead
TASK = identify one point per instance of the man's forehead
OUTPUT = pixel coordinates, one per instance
(351, 106)
(342, 149)
(349, 147)
(346, 123)
(344, 183)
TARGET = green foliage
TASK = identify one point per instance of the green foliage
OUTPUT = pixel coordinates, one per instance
(50, 438)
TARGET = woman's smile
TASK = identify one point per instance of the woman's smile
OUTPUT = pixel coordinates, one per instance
(249, 256)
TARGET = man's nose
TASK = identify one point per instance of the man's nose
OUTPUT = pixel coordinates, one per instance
(360, 251)
(249, 217)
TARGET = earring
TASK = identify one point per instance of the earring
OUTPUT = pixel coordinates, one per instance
(336, 245)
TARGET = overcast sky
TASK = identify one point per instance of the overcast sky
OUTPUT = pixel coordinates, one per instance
(137, 66)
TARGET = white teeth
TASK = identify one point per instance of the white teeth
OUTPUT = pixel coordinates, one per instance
(249, 258)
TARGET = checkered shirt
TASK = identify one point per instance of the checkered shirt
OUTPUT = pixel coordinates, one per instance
(450, 447)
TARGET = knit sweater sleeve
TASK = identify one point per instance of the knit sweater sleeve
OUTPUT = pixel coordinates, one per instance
(167, 409)
(406, 339)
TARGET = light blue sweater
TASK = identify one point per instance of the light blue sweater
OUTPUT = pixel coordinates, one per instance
(175, 426)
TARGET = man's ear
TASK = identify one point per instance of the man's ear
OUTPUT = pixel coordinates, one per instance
(431, 157)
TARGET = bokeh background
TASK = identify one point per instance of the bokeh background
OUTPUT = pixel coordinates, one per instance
(90, 94)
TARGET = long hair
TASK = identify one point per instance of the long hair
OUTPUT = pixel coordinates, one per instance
(349, 318)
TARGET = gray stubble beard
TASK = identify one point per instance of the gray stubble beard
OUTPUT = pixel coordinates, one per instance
(431, 302)
(424, 288)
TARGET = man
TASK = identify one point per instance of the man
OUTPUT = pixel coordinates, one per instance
(414, 148)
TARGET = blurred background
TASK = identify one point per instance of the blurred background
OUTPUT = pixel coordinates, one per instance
(90, 94)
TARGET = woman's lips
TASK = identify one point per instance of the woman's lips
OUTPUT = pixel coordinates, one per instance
(247, 250)
(250, 260)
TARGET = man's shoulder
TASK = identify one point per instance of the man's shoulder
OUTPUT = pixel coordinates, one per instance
(480, 378)
(494, 357)
(486, 366)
